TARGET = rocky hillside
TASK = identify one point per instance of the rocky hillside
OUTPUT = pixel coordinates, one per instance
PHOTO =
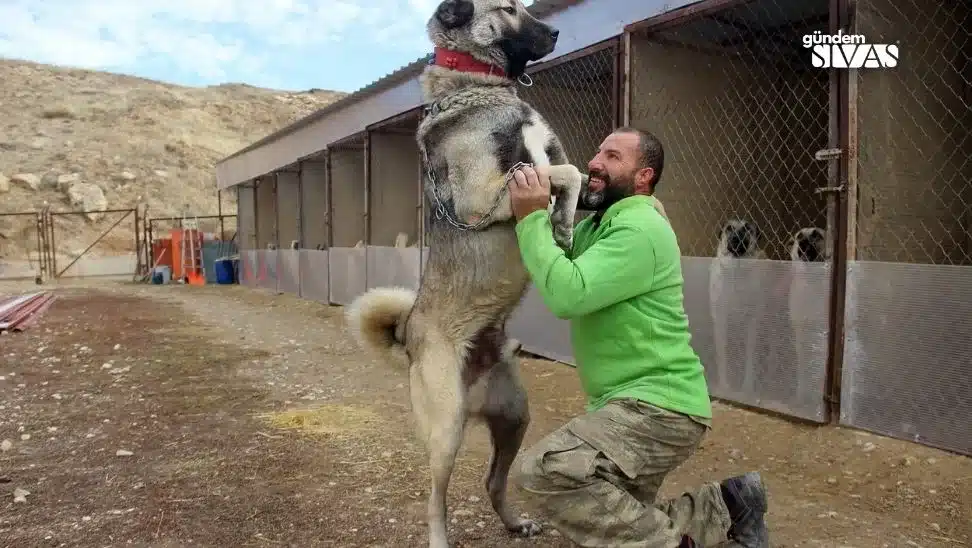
(81, 140)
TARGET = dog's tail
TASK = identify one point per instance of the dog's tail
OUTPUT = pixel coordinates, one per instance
(375, 318)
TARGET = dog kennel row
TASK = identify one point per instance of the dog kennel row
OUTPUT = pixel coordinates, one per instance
(878, 158)
(338, 275)
(749, 126)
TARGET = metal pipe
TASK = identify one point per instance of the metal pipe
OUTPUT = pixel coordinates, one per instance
(617, 68)
(83, 212)
(626, 78)
(50, 227)
(328, 207)
(300, 204)
(275, 202)
(40, 253)
(367, 188)
(138, 248)
(219, 212)
(256, 212)
(201, 217)
(840, 110)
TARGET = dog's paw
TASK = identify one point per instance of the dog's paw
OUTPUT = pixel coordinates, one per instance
(564, 237)
(526, 528)
(511, 347)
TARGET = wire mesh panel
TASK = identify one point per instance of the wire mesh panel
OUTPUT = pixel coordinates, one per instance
(761, 329)
(393, 267)
(288, 278)
(539, 331)
(246, 216)
(741, 112)
(907, 354)
(914, 189)
(313, 265)
(347, 271)
(395, 179)
(906, 357)
(348, 220)
(578, 99)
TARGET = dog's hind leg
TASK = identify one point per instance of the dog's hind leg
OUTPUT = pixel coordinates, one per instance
(437, 402)
(507, 415)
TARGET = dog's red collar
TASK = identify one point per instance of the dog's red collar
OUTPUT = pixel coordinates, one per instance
(461, 61)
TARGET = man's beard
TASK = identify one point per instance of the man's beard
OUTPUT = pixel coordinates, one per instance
(600, 200)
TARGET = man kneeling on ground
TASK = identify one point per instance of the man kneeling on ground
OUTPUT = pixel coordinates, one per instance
(648, 409)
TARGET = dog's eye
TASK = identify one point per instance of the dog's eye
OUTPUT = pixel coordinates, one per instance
(510, 10)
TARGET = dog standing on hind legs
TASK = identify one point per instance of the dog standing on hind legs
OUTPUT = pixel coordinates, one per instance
(451, 332)
(808, 308)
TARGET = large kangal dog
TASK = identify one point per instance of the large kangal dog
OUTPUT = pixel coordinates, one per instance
(808, 292)
(451, 331)
(734, 304)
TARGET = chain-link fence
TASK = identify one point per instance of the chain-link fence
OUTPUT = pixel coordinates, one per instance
(914, 121)
(909, 287)
(20, 245)
(774, 225)
(577, 95)
(741, 114)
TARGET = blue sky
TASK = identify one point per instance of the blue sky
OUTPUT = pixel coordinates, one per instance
(284, 44)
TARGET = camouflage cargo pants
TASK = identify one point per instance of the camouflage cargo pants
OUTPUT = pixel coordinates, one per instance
(595, 479)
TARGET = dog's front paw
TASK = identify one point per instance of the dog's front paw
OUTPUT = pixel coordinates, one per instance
(510, 348)
(564, 236)
(526, 528)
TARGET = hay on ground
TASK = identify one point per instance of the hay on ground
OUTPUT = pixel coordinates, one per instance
(328, 419)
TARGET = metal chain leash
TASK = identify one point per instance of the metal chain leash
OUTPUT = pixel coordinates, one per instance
(440, 210)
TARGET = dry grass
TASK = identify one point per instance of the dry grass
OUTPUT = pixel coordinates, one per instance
(330, 420)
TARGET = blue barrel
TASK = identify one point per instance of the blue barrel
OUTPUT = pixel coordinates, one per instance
(224, 272)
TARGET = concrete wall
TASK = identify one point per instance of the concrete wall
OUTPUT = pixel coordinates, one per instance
(348, 193)
(313, 212)
(576, 98)
(288, 208)
(914, 174)
(739, 139)
(266, 217)
(246, 216)
(394, 196)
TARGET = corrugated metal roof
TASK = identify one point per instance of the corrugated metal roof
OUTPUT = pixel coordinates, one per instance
(539, 8)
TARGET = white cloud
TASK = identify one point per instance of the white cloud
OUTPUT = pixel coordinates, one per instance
(207, 37)
(214, 40)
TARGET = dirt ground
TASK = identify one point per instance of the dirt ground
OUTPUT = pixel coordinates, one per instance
(152, 416)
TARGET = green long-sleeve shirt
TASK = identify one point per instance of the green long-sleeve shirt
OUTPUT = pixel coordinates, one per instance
(621, 289)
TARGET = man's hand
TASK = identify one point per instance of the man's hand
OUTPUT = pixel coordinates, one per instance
(529, 191)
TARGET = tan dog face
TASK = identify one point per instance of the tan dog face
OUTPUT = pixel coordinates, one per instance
(739, 238)
(500, 30)
(809, 245)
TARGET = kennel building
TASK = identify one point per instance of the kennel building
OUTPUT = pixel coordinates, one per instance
(874, 333)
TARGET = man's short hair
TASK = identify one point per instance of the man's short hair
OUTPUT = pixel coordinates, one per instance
(652, 154)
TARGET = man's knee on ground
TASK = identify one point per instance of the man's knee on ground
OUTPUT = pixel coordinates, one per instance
(560, 461)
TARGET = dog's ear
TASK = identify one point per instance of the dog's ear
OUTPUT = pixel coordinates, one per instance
(454, 13)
